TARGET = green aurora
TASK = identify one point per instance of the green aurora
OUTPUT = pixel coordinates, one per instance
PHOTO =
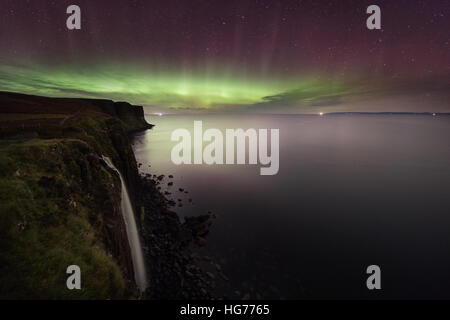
(167, 89)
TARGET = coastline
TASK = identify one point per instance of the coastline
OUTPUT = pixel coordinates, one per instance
(50, 150)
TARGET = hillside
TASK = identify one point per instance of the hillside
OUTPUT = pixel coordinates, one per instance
(59, 204)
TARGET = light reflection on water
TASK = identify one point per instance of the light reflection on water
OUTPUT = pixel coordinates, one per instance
(352, 190)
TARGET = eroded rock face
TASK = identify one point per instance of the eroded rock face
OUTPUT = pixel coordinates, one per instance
(114, 231)
(102, 194)
(72, 212)
(132, 115)
(75, 209)
(63, 209)
(61, 109)
(108, 196)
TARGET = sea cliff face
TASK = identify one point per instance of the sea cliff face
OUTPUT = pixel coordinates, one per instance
(26, 112)
(59, 204)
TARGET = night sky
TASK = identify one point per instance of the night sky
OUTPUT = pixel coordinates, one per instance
(275, 56)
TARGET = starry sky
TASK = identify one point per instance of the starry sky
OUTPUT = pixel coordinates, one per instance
(245, 55)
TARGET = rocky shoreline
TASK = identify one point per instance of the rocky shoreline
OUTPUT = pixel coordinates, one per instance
(50, 153)
(171, 247)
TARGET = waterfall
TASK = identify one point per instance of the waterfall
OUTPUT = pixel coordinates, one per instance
(132, 232)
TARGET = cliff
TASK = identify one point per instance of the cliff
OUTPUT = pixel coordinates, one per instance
(26, 112)
(59, 203)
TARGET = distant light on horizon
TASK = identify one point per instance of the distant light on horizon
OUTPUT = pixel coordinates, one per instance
(320, 113)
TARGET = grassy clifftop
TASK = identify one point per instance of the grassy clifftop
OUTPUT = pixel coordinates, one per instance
(48, 222)
(60, 205)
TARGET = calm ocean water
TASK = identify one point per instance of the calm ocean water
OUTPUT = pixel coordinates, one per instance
(352, 191)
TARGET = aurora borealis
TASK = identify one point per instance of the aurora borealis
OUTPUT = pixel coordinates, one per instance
(166, 90)
(142, 86)
(300, 56)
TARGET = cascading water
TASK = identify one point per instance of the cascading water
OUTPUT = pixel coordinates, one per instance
(132, 232)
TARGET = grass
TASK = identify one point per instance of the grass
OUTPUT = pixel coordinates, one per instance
(51, 216)
(29, 116)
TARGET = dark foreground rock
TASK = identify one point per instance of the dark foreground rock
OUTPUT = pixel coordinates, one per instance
(171, 247)
(61, 206)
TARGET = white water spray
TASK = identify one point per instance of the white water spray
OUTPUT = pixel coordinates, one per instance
(132, 232)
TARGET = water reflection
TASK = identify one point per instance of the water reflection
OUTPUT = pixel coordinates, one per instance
(352, 190)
